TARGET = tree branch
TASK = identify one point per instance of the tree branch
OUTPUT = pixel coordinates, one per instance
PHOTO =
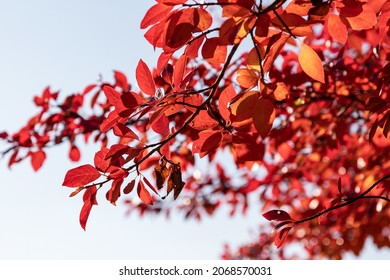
(349, 201)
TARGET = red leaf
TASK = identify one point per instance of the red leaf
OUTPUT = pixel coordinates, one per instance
(115, 191)
(155, 14)
(226, 95)
(277, 215)
(37, 159)
(89, 199)
(80, 176)
(263, 116)
(161, 125)
(109, 122)
(121, 80)
(178, 72)
(144, 78)
(281, 236)
(143, 194)
(122, 130)
(209, 141)
(88, 88)
(203, 121)
(74, 153)
(129, 187)
(150, 185)
(213, 52)
(311, 63)
(112, 95)
(99, 160)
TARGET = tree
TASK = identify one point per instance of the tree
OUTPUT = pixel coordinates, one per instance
(294, 93)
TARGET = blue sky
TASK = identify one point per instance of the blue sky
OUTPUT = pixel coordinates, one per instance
(67, 44)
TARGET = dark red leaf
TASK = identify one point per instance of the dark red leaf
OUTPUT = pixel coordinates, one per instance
(281, 236)
(129, 187)
(277, 215)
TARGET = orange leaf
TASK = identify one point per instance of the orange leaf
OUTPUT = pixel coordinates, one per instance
(337, 29)
(281, 91)
(263, 116)
(366, 19)
(242, 107)
(226, 95)
(143, 194)
(311, 63)
(205, 19)
(213, 52)
(144, 78)
(80, 176)
(247, 78)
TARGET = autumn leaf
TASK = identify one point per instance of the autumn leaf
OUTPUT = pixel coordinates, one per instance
(115, 191)
(121, 80)
(129, 187)
(89, 199)
(247, 78)
(281, 236)
(144, 78)
(263, 116)
(161, 172)
(155, 14)
(337, 29)
(226, 95)
(143, 194)
(37, 159)
(311, 63)
(277, 215)
(80, 176)
(74, 153)
(208, 141)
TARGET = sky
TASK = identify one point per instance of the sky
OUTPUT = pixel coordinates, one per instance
(67, 44)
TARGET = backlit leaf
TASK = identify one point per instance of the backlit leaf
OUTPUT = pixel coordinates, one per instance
(311, 63)
(247, 78)
(155, 14)
(263, 116)
(337, 29)
(143, 194)
(209, 141)
(226, 95)
(144, 78)
(80, 176)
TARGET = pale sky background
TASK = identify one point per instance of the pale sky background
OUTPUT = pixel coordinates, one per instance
(67, 44)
